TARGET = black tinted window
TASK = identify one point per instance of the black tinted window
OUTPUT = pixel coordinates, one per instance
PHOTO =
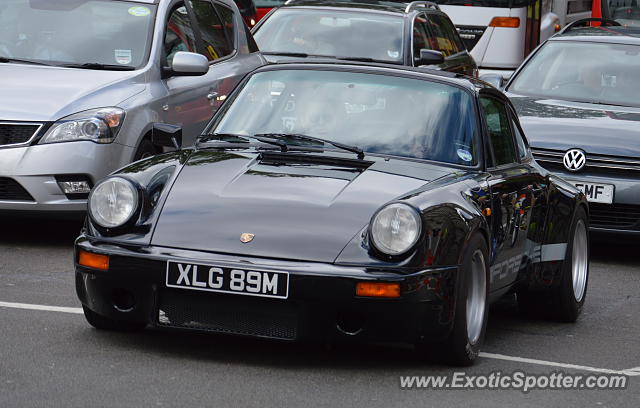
(500, 136)
(226, 14)
(444, 38)
(211, 29)
(420, 36)
(179, 35)
(521, 145)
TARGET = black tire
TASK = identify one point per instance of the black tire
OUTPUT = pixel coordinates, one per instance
(104, 323)
(145, 149)
(561, 303)
(565, 306)
(459, 349)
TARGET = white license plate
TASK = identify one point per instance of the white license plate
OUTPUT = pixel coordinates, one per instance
(596, 193)
(212, 278)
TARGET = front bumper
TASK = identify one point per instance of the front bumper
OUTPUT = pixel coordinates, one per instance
(34, 169)
(321, 304)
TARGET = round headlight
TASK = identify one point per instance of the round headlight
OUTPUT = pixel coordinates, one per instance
(113, 202)
(395, 229)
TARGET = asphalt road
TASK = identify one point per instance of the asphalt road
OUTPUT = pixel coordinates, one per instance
(52, 358)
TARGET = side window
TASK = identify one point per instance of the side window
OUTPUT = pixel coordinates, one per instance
(179, 35)
(212, 30)
(520, 143)
(497, 119)
(443, 37)
(420, 36)
(226, 14)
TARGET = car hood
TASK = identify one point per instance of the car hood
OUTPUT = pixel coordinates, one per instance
(596, 129)
(44, 93)
(300, 211)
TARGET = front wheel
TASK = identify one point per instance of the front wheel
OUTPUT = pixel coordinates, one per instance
(471, 308)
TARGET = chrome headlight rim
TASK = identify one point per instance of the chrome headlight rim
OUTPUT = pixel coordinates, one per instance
(102, 118)
(386, 252)
(138, 196)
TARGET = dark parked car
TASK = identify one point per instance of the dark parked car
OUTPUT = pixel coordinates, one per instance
(332, 201)
(412, 34)
(577, 97)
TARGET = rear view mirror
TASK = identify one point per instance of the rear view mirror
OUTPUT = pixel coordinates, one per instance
(165, 135)
(189, 64)
(429, 57)
(496, 80)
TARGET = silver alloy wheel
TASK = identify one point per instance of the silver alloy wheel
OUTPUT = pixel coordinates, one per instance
(579, 261)
(476, 296)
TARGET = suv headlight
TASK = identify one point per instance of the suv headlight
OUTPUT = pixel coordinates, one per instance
(113, 202)
(395, 228)
(97, 125)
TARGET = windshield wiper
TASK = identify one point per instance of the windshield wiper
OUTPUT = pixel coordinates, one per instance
(98, 66)
(296, 54)
(367, 59)
(237, 138)
(300, 137)
(23, 61)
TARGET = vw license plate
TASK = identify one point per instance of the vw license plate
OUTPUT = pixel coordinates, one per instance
(227, 280)
(596, 193)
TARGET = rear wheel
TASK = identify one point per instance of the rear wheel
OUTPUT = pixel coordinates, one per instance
(565, 302)
(471, 309)
(104, 323)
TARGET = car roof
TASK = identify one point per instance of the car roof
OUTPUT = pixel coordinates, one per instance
(397, 7)
(469, 83)
(608, 34)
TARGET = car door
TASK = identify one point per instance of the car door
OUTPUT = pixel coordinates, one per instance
(515, 191)
(199, 26)
(445, 38)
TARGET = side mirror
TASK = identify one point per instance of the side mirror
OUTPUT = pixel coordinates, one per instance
(189, 64)
(496, 80)
(429, 57)
(165, 135)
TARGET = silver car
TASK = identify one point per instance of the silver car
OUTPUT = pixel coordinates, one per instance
(83, 81)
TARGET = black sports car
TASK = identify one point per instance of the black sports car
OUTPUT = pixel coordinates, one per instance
(334, 201)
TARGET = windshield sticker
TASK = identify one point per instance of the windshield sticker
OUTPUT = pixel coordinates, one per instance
(465, 155)
(139, 11)
(393, 54)
(123, 56)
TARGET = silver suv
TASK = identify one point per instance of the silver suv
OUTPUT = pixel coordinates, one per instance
(83, 82)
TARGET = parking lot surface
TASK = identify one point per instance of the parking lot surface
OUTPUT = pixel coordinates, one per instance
(49, 355)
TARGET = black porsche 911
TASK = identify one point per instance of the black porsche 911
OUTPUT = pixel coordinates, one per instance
(338, 201)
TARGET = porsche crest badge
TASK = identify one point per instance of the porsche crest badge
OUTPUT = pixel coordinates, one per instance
(246, 237)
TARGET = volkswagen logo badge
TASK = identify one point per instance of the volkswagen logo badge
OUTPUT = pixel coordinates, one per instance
(246, 237)
(574, 159)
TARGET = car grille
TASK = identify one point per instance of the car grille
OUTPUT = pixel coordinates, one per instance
(596, 164)
(16, 133)
(11, 190)
(615, 216)
(470, 35)
(234, 314)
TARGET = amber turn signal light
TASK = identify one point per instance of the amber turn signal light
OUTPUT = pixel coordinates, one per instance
(378, 289)
(508, 22)
(94, 261)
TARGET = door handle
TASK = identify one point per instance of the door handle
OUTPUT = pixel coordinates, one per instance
(211, 95)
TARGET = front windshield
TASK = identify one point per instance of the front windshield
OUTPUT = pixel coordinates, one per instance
(379, 114)
(339, 33)
(583, 72)
(625, 12)
(76, 31)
